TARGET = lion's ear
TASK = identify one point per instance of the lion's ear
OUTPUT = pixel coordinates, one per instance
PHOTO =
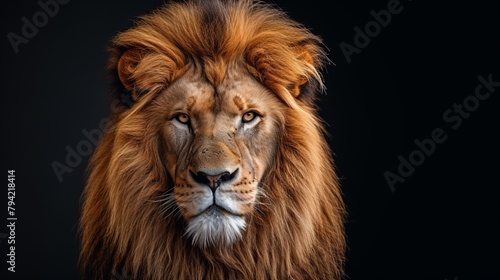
(126, 66)
(291, 65)
(310, 83)
(142, 71)
(306, 60)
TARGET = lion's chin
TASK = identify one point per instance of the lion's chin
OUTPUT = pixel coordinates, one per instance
(215, 227)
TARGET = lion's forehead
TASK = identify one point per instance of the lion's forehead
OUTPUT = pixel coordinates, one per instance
(236, 93)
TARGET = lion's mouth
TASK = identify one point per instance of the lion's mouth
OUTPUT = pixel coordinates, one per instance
(216, 210)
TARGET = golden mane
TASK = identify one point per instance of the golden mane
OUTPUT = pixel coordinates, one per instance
(299, 233)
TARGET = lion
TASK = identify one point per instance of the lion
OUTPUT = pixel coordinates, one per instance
(219, 169)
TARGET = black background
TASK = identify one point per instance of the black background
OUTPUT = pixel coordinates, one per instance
(442, 222)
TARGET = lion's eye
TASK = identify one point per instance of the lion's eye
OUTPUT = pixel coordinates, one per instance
(182, 118)
(248, 117)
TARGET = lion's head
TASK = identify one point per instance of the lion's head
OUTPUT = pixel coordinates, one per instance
(219, 170)
(219, 142)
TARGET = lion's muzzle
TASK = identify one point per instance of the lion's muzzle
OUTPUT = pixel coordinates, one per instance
(216, 189)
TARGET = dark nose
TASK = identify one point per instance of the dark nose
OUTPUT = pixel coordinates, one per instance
(213, 181)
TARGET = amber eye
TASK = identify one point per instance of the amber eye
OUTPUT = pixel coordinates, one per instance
(182, 118)
(248, 117)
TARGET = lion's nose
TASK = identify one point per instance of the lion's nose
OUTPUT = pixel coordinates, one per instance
(212, 180)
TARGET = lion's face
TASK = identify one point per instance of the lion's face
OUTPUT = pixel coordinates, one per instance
(219, 142)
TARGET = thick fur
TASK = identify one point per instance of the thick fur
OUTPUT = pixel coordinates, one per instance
(295, 230)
